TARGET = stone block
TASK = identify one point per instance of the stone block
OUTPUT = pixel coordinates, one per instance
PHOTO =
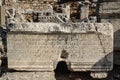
(110, 7)
(115, 23)
(2, 17)
(41, 50)
(28, 76)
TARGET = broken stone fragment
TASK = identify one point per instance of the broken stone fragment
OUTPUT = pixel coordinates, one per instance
(64, 28)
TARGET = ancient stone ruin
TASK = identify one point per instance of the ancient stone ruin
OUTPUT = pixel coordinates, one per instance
(38, 35)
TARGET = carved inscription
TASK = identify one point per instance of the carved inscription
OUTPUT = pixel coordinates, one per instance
(53, 43)
(37, 49)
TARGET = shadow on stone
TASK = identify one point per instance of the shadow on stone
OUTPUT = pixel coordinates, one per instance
(63, 73)
(105, 65)
(61, 67)
(3, 50)
(4, 66)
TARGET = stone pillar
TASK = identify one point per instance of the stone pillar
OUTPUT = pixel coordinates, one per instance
(84, 11)
(2, 16)
(67, 11)
(0, 2)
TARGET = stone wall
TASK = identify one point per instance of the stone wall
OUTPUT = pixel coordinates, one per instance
(42, 50)
(18, 64)
(110, 12)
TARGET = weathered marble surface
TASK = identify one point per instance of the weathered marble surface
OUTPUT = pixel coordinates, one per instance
(40, 50)
(62, 28)
(28, 76)
(115, 23)
(52, 27)
(109, 7)
(110, 12)
(50, 76)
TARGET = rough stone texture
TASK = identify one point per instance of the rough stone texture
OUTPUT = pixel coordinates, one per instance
(109, 7)
(53, 27)
(62, 28)
(49, 76)
(29, 76)
(19, 11)
(109, 12)
(109, 0)
(42, 51)
(115, 23)
(2, 16)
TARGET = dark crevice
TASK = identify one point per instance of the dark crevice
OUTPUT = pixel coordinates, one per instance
(3, 50)
(61, 67)
(13, 70)
(97, 11)
(4, 65)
